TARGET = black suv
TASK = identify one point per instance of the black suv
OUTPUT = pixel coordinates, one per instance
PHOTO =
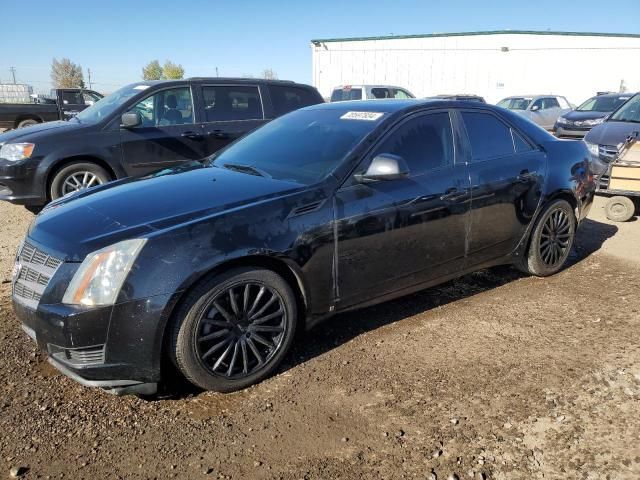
(140, 128)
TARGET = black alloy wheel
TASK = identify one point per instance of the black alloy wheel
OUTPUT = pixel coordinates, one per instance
(556, 237)
(234, 329)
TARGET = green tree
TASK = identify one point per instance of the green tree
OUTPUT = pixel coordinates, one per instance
(172, 71)
(66, 74)
(152, 71)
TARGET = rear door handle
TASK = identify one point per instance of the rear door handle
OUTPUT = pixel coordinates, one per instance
(452, 195)
(526, 176)
(192, 135)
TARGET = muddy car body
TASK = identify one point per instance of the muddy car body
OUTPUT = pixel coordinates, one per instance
(326, 209)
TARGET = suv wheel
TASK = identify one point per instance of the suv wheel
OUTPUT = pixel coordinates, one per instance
(77, 176)
(551, 240)
(234, 329)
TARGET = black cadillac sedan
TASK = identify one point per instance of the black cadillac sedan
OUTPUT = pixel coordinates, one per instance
(216, 264)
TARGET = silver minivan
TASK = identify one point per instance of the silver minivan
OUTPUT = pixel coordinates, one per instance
(368, 92)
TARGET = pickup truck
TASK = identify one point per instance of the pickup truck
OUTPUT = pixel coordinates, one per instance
(65, 104)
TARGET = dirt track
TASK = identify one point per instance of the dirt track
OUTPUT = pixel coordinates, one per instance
(495, 374)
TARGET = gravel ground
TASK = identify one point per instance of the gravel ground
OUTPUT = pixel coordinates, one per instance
(493, 376)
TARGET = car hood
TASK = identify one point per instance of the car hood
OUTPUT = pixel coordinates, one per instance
(612, 133)
(35, 132)
(130, 208)
(575, 115)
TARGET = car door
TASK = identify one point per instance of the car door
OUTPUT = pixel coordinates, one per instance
(537, 113)
(392, 235)
(72, 103)
(169, 134)
(230, 112)
(552, 111)
(506, 172)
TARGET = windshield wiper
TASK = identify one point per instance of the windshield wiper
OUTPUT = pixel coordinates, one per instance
(246, 169)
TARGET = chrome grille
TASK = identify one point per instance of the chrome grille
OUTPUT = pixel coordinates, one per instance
(607, 152)
(33, 271)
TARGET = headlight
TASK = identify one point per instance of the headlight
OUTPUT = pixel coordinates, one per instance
(102, 273)
(562, 120)
(593, 149)
(595, 121)
(16, 151)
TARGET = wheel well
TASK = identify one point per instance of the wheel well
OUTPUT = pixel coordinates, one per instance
(67, 161)
(27, 117)
(565, 196)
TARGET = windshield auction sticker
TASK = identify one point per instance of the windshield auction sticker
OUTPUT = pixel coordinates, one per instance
(368, 116)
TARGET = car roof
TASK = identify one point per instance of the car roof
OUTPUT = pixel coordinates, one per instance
(366, 86)
(220, 80)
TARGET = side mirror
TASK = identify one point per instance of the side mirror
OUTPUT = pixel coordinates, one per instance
(384, 167)
(131, 119)
(535, 108)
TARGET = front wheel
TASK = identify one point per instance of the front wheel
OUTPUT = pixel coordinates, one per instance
(234, 329)
(77, 176)
(551, 240)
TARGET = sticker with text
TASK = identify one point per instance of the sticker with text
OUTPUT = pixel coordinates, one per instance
(369, 116)
(141, 87)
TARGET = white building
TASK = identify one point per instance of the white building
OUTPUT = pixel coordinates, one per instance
(493, 64)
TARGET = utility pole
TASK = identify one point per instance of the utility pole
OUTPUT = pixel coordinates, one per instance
(89, 75)
(13, 72)
(217, 72)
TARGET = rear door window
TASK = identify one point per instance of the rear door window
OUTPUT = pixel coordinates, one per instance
(488, 136)
(224, 103)
(286, 99)
(342, 94)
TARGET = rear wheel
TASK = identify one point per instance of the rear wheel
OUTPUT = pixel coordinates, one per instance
(234, 329)
(619, 209)
(27, 122)
(77, 176)
(551, 240)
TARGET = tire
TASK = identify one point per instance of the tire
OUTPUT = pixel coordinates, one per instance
(222, 351)
(620, 209)
(86, 175)
(28, 122)
(551, 240)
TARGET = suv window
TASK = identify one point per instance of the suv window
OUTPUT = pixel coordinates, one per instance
(286, 99)
(550, 102)
(380, 92)
(425, 143)
(70, 97)
(166, 107)
(224, 103)
(489, 137)
(341, 94)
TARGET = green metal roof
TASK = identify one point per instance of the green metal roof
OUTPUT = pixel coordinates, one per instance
(488, 32)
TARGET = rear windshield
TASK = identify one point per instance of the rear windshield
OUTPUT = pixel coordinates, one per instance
(515, 103)
(342, 94)
(303, 146)
(602, 104)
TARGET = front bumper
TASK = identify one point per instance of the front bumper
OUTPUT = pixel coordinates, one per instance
(21, 182)
(117, 348)
(571, 131)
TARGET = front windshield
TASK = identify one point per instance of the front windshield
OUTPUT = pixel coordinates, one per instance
(629, 112)
(602, 104)
(109, 104)
(304, 146)
(515, 103)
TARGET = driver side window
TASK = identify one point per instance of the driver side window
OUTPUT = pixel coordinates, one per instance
(166, 107)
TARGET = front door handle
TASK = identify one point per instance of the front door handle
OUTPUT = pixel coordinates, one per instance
(526, 176)
(452, 195)
(219, 134)
(192, 135)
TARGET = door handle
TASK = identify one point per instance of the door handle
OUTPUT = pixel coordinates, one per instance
(192, 135)
(452, 195)
(219, 133)
(526, 176)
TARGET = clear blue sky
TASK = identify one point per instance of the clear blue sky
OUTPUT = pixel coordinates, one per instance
(115, 38)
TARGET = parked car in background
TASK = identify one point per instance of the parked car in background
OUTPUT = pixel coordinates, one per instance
(217, 264)
(140, 128)
(604, 141)
(594, 111)
(63, 104)
(368, 92)
(460, 97)
(543, 110)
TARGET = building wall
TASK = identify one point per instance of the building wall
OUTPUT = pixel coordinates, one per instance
(574, 66)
